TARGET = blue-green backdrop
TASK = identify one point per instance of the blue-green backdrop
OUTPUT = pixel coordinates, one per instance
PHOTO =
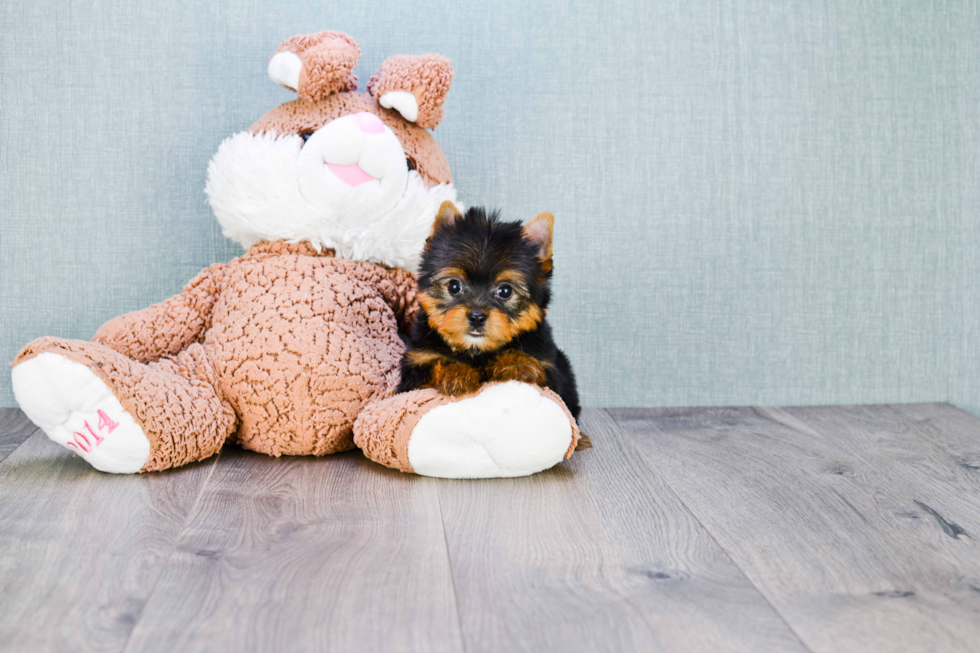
(758, 202)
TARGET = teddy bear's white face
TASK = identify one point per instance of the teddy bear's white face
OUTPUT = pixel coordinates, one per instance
(353, 168)
(346, 186)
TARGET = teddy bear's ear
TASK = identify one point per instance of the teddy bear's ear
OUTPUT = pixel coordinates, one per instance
(415, 86)
(316, 65)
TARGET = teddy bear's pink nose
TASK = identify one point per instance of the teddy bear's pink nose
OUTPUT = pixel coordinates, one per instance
(369, 123)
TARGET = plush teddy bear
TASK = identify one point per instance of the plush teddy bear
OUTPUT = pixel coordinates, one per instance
(294, 348)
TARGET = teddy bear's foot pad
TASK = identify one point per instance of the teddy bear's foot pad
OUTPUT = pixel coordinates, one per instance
(76, 409)
(509, 429)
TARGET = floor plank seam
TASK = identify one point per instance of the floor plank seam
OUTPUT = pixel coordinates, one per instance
(452, 575)
(19, 444)
(166, 563)
(707, 530)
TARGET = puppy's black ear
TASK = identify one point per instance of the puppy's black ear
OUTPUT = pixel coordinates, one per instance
(447, 216)
(539, 232)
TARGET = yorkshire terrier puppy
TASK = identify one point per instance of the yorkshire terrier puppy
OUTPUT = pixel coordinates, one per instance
(484, 288)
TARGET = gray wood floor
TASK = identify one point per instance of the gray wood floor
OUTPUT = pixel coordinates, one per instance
(732, 529)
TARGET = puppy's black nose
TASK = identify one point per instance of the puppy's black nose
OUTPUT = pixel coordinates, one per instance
(477, 318)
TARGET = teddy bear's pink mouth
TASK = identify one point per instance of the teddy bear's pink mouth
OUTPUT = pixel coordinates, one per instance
(352, 174)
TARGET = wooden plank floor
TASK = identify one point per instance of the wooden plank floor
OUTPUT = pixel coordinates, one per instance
(739, 529)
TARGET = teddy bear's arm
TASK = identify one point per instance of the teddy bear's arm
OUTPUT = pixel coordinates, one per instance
(167, 328)
(399, 289)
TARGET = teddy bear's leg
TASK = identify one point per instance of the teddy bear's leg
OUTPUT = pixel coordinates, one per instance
(119, 415)
(505, 429)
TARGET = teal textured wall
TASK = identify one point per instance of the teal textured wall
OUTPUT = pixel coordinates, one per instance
(757, 202)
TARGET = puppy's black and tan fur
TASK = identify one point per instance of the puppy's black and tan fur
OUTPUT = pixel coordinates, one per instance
(484, 290)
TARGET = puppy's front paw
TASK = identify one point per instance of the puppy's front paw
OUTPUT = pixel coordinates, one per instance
(516, 366)
(455, 379)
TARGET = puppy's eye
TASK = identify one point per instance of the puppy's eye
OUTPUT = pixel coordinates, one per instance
(454, 287)
(504, 291)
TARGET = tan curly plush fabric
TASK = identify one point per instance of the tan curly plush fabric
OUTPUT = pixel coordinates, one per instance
(304, 117)
(174, 400)
(328, 60)
(426, 76)
(281, 348)
(384, 428)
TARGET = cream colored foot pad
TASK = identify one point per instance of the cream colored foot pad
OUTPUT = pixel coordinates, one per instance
(76, 409)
